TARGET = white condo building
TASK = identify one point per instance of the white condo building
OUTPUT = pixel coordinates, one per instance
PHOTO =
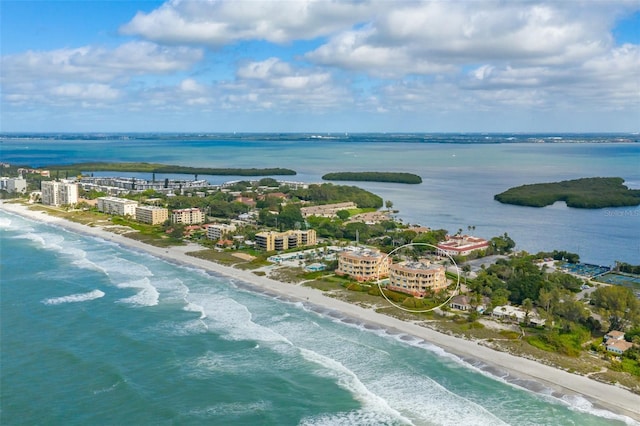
(56, 193)
(218, 230)
(119, 206)
(15, 184)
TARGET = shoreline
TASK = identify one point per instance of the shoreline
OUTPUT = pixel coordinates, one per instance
(514, 370)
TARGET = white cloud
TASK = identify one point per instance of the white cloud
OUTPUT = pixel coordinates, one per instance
(93, 92)
(89, 63)
(216, 23)
(366, 57)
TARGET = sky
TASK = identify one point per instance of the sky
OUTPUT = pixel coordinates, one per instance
(320, 66)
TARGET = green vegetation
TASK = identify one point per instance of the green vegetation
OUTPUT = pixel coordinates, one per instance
(627, 268)
(375, 177)
(76, 169)
(328, 193)
(586, 193)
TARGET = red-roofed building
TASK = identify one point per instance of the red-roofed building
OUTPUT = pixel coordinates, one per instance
(461, 245)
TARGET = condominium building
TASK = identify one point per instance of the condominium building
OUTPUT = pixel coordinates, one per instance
(13, 184)
(151, 214)
(118, 206)
(191, 216)
(271, 240)
(60, 193)
(218, 230)
(363, 264)
(461, 245)
(416, 278)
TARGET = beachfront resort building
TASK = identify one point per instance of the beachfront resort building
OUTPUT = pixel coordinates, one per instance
(271, 240)
(117, 206)
(363, 264)
(59, 193)
(192, 216)
(416, 278)
(219, 230)
(12, 185)
(461, 245)
(153, 215)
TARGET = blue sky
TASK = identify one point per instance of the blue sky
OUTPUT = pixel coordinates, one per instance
(320, 66)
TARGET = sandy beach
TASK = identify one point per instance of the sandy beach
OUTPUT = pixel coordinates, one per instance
(610, 397)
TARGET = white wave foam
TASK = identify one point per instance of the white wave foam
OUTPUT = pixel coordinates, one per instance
(193, 307)
(74, 298)
(5, 223)
(348, 380)
(581, 404)
(233, 320)
(147, 295)
(232, 409)
(356, 417)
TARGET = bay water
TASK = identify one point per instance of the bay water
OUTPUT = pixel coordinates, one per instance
(459, 179)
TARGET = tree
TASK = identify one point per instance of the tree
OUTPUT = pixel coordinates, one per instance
(343, 214)
(502, 244)
(388, 204)
(527, 305)
(290, 215)
(619, 304)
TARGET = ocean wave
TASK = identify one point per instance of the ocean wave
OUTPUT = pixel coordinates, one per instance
(355, 417)
(231, 409)
(75, 298)
(146, 296)
(348, 380)
(5, 223)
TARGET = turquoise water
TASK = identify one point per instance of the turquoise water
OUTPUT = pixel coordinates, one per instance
(96, 334)
(459, 180)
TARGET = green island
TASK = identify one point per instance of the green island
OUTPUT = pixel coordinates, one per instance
(585, 193)
(394, 177)
(75, 169)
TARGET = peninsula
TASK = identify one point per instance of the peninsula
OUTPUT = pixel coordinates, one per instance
(586, 193)
(76, 169)
(394, 177)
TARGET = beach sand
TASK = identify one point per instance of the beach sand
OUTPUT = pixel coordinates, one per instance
(521, 371)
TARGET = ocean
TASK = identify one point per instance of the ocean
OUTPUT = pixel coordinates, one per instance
(461, 174)
(93, 333)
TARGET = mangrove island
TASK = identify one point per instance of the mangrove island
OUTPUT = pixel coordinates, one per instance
(585, 193)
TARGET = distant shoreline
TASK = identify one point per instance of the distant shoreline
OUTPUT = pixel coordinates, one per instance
(471, 138)
(610, 397)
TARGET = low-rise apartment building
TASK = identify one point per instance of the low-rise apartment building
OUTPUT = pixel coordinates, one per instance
(192, 216)
(219, 230)
(153, 215)
(363, 264)
(117, 206)
(58, 193)
(416, 278)
(270, 241)
(461, 245)
(326, 210)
